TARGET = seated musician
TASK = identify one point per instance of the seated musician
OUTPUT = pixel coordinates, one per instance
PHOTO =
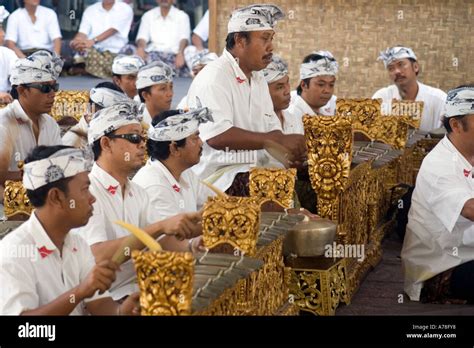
(174, 147)
(315, 93)
(438, 250)
(115, 134)
(403, 69)
(56, 274)
(25, 123)
(235, 90)
(155, 89)
(103, 95)
(125, 70)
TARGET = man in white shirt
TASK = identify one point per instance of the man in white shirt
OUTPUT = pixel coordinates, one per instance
(403, 68)
(102, 34)
(173, 147)
(7, 61)
(438, 250)
(125, 70)
(315, 93)
(234, 88)
(115, 134)
(45, 269)
(164, 34)
(33, 27)
(103, 95)
(155, 89)
(276, 75)
(200, 34)
(25, 123)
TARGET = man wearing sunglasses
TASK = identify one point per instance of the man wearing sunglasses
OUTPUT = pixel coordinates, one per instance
(403, 69)
(25, 123)
(115, 134)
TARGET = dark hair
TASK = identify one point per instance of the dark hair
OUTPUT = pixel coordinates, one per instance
(445, 120)
(313, 57)
(140, 91)
(14, 92)
(160, 150)
(230, 39)
(96, 149)
(38, 197)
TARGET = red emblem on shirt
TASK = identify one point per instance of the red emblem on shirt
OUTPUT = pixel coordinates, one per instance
(74, 249)
(20, 121)
(44, 252)
(466, 172)
(112, 189)
(176, 188)
(239, 80)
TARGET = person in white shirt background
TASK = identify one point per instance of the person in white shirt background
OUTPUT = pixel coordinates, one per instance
(163, 35)
(115, 134)
(59, 275)
(173, 147)
(103, 95)
(125, 70)
(33, 27)
(234, 88)
(7, 61)
(403, 69)
(104, 28)
(155, 89)
(438, 249)
(200, 34)
(25, 123)
(315, 92)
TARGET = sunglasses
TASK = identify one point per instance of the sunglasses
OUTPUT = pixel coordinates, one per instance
(133, 138)
(44, 88)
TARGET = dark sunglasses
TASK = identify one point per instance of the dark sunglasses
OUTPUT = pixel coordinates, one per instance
(44, 88)
(133, 138)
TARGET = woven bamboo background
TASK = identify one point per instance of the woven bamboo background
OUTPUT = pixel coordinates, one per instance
(355, 31)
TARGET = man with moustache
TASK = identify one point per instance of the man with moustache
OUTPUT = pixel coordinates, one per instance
(234, 88)
(25, 122)
(403, 69)
(438, 249)
(115, 134)
(155, 89)
(60, 276)
(173, 147)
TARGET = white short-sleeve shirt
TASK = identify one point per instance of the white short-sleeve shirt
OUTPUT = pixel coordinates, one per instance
(16, 129)
(111, 205)
(164, 34)
(438, 237)
(434, 103)
(27, 35)
(33, 273)
(223, 88)
(168, 196)
(96, 20)
(291, 123)
(202, 29)
(7, 62)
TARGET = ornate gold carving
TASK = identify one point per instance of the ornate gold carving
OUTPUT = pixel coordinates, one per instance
(70, 104)
(165, 280)
(411, 111)
(231, 220)
(329, 143)
(16, 201)
(273, 184)
(366, 117)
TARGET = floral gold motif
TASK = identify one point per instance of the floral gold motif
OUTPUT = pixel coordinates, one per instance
(273, 184)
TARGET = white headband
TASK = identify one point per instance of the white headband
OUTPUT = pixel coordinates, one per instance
(256, 17)
(181, 126)
(323, 66)
(393, 53)
(112, 118)
(60, 165)
(3, 14)
(125, 65)
(41, 66)
(105, 97)
(460, 101)
(277, 69)
(154, 74)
